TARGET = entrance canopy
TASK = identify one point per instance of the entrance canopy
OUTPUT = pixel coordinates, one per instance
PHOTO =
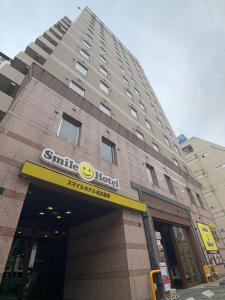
(47, 175)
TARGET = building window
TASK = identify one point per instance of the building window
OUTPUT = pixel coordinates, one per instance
(167, 141)
(102, 49)
(153, 107)
(148, 124)
(129, 94)
(103, 59)
(125, 80)
(152, 174)
(140, 135)
(108, 151)
(159, 122)
(170, 184)
(69, 129)
(87, 44)
(155, 146)
(200, 200)
(77, 88)
(137, 92)
(88, 37)
(85, 54)
(103, 71)
(134, 113)
(176, 148)
(104, 87)
(106, 110)
(142, 106)
(168, 130)
(175, 162)
(190, 195)
(81, 68)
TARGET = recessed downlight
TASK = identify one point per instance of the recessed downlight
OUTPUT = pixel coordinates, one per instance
(41, 213)
(50, 208)
(68, 212)
(58, 217)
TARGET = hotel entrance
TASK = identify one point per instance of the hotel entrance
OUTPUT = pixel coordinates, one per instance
(41, 253)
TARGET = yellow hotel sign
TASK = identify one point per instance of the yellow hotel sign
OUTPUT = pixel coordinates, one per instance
(207, 237)
(42, 173)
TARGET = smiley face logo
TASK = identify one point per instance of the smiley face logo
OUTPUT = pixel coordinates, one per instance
(86, 171)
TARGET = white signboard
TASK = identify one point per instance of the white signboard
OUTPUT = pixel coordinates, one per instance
(84, 169)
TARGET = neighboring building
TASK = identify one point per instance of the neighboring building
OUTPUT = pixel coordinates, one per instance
(207, 162)
(94, 191)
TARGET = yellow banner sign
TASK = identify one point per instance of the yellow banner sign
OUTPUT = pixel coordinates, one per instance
(207, 237)
(42, 173)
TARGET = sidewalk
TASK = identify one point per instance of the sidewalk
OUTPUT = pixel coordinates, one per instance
(204, 291)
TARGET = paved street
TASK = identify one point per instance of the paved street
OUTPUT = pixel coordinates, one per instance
(210, 291)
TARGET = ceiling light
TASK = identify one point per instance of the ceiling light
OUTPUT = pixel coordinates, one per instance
(49, 208)
(41, 213)
(58, 217)
(19, 232)
(56, 231)
(67, 212)
(46, 235)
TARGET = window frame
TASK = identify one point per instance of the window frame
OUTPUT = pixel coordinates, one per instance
(106, 109)
(79, 87)
(170, 184)
(81, 67)
(140, 135)
(152, 174)
(73, 122)
(113, 150)
(105, 90)
(134, 113)
(85, 53)
(103, 71)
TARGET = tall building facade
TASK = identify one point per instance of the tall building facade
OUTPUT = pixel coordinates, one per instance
(207, 162)
(94, 190)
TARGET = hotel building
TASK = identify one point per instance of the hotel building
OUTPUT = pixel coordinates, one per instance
(94, 191)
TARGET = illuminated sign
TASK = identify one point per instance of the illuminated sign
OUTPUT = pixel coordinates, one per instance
(207, 238)
(44, 174)
(84, 169)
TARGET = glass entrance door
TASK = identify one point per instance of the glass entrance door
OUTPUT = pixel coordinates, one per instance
(188, 261)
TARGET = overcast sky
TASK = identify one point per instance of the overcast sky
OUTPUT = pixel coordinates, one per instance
(179, 43)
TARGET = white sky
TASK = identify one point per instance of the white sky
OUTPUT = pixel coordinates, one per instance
(179, 43)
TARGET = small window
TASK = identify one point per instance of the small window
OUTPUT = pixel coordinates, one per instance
(91, 31)
(155, 146)
(142, 106)
(88, 37)
(140, 135)
(134, 113)
(191, 195)
(108, 151)
(167, 141)
(86, 43)
(152, 174)
(148, 124)
(77, 88)
(106, 110)
(102, 43)
(132, 79)
(123, 70)
(102, 49)
(81, 68)
(137, 92)
(170, 184)
(85, 54)
(104, 87)
(125, 80)
(103, 59)
(69, 129)
(175, 162)
(200, 200)
(168, 130)
(129, 94)
(176, 148)
(103, 71)
(159, 122)
(153, 107)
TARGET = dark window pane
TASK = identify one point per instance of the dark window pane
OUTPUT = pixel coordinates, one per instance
(107, 151)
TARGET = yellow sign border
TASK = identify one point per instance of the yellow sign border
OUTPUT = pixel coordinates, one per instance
(207, 236)
(37, 171)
